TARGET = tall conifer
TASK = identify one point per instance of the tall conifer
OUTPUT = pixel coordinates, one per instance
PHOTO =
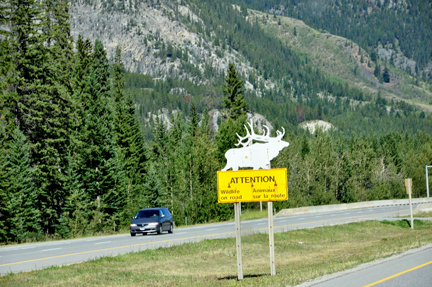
(233, 90)
(97, 143)
(128, 136)
(17, 192)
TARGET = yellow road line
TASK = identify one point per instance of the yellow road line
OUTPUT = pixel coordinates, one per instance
(406, 271)
(184, 238)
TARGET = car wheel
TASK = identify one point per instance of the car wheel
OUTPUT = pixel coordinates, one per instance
(133, 234)
(171, 230)
(159, 231)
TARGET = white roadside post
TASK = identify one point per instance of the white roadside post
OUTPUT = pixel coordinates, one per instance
(408, 184)
(427, 180)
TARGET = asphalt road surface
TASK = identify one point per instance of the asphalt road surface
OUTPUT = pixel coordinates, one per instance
(26, 257)
(411, 268)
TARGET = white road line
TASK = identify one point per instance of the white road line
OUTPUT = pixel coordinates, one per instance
(301, 218)
(92, 239)
(262, 223)
(333, 215)
(360, 212)
(317, 216)
(180, 232)
(61, 243)
(51, 249)
(26, 248)
(211, 229)
(103, 242)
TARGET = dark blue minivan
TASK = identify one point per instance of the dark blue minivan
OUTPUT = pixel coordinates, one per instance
(147, 220)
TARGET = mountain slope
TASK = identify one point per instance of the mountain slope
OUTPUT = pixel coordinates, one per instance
(341, 58)
(183, 49)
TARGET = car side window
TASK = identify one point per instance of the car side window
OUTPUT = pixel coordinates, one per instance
(166, 212)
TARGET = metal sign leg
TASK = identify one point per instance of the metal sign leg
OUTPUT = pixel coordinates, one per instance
(238, 240)
(271, 239)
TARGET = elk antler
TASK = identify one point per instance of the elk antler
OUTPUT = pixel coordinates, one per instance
(248, 136)
(262, 138)
(265, 137)
(279, 134)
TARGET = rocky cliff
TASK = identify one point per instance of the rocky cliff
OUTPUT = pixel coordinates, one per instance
(153, 39)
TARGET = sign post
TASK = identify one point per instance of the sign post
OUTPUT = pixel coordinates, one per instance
(271, 239)
(238, 241)
(408, 184)
(253, 186)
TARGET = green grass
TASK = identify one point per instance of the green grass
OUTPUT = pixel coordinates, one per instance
(418, 215)
(249, 215)
(301, 255)
(406, 223)
(423, 214)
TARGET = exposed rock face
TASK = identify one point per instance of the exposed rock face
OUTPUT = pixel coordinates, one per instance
(312, 126)
(258, 120)
(215, 119)
(399, 60)
(143, 28)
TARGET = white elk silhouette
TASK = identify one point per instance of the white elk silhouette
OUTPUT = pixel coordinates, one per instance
(255, 155)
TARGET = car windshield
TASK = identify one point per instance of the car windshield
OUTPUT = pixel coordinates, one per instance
(147, 214)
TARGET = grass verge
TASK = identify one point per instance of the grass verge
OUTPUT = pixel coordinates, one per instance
(300, 255)
(418, 215)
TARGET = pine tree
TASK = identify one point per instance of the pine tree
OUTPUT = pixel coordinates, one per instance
(377, 71)
(97, 148)
(18, 192)
(386, 75)
(128, 135)
(233, 94)
(40, 79)
(156, 196)
(194, 120)
(21, 45)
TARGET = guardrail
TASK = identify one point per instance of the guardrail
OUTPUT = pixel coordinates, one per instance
(347, 206)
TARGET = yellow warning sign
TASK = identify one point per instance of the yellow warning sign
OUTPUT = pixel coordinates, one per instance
(252, 185)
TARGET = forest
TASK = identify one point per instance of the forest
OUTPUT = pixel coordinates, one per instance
(77, 157)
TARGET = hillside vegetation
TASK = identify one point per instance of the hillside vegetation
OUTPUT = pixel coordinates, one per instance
(83, 147)
(346, 61)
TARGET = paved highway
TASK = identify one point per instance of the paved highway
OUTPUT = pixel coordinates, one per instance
(26, 257)
(411, 268)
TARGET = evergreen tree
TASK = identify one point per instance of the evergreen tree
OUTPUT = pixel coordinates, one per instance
(39, 97)
(18, 192)
(377, 71)
(233, 94)
(97, 143)
(194, 120)
(22, 44)
(156, 196)
(226, 136)
(386, 75)
(128, 135)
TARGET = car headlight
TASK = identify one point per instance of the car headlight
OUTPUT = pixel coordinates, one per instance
(133, 224)
(153, 223)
